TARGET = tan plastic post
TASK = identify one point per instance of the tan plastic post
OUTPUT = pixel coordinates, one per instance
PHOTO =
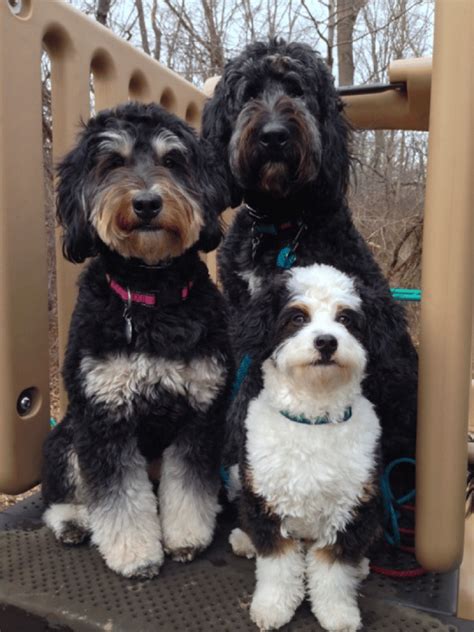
(447, 279)
(77, 47)
(23, 270)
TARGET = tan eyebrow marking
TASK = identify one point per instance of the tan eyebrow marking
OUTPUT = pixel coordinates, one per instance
(166, 141)
(301, 307)
(116, 141)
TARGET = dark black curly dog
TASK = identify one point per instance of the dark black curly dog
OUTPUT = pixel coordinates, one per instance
(147, 366)
(277, 123)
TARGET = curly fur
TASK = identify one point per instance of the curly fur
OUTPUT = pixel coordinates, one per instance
(248, 97)
(162, 393)
(308, 485)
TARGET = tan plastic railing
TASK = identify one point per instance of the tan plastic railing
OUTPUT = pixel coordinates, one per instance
(79, 47)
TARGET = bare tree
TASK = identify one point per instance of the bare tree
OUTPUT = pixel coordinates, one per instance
(346, 16)
(102, 12)
(156, 30)
(143, 29)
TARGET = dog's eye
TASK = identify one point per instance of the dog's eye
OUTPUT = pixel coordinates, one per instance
(173, 160)
(169, 162)
(344, 318)
(115, 160)
(299, 318)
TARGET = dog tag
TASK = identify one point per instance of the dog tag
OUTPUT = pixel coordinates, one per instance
(286, 258)
(128, 328)
(255, 245)
(128, 318)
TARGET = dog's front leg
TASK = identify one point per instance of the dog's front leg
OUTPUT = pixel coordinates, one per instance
(333, 584)
(122, 507)
(189, 488)
(280, 564)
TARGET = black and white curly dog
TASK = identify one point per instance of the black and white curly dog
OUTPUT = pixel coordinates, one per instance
(147, 366)
(309, 468)
(277, 122)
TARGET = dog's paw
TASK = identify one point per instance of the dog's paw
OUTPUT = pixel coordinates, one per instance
(185, 540)
(183, 554)
(241, 544)
(148, 571)
(72, 534)
(130, 560)
(268, 611)
(364, 568)
(339, 618)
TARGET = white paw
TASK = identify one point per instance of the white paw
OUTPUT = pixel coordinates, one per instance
(339, 617)
(268, 611)
(134, 558)
(241, 544)
(184, 554)
(191, 534)
(364, 568)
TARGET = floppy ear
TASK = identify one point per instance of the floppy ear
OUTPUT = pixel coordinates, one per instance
(71, 211)
(257, 328)
(385, 335)
(211, 233)
(335, 135)
(217, 130)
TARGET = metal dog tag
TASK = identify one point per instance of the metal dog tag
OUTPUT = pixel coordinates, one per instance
(128, 319)
(128, 329)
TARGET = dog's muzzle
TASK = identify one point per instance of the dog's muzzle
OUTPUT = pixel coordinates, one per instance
(273, 137)
(326, 344)
(147, 205)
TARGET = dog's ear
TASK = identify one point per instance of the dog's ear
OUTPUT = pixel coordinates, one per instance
(217, 130)
(71, 211)
(385, 334)
(257, 329)
(213, 190)
(335, 136)
(211, 233)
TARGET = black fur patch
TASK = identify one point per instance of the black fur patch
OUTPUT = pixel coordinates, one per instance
(330, 236)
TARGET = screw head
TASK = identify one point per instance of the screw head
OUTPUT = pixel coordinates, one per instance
(24, 404)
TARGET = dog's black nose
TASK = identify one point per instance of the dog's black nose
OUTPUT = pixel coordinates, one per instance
(147, 205)
(274, 136)
(326, 344)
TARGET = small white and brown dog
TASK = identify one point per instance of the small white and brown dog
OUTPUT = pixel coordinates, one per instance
(310, 503)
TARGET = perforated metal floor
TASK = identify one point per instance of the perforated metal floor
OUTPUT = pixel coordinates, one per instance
(68, 588)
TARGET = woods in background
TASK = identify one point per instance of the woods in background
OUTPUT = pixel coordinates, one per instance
(357, 38)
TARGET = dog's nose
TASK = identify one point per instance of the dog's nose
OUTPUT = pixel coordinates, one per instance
(147, 205)
(326, 344)
(274, 136)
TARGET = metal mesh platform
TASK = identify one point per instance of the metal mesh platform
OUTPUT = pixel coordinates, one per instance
(45, 586)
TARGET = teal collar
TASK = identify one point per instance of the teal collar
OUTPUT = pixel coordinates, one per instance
(317, 421)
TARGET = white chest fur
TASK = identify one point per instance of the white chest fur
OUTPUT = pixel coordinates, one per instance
(311, 476)
(119, 378)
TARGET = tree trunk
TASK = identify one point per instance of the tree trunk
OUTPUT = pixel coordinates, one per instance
(142, 25)
(216, 49)
(331, 30)
(347, 11)
(102, 13)
(156, 31)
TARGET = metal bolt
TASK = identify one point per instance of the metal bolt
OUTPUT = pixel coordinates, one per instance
(24, 403)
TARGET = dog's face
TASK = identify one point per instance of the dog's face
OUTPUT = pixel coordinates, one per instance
(318, 339)
(277, 119)
(136, 181)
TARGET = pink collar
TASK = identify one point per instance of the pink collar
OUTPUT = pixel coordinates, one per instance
(150, 300)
